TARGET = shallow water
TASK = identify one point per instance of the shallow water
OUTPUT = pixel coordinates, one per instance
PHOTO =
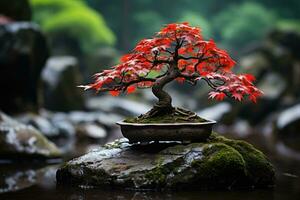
(32, 180)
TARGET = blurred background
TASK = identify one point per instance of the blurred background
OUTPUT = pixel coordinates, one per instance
(48, 47)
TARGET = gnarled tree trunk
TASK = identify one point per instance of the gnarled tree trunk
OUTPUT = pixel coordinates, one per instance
(164, 104)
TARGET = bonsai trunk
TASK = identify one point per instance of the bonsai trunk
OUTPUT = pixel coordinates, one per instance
(164, 104)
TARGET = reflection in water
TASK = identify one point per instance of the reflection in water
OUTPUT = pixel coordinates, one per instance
(131, 195)
(38, 182)
(19, 176)
(19, 180)
(284, 150)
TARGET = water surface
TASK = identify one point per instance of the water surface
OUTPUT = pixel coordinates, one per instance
(33, 180)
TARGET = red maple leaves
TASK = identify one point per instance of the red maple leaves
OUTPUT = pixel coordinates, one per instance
(217, 95)
(180, 48)
(232, 85)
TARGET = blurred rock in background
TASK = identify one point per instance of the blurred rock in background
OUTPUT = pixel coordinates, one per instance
(60, 78)
(23, 53)
(276, 64)
(118, 105)
(100, 58)
(19, 141)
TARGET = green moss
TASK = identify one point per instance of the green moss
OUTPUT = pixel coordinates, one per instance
(168, 118)
(259, 169)
(218, 164)
(222, 164)
(158, 175)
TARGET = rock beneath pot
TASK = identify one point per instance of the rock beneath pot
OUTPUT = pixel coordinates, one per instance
(217, 163)
(23, 53)
(21, 141)
(61, 77)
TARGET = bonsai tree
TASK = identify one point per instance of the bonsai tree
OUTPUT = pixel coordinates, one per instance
(176, 52)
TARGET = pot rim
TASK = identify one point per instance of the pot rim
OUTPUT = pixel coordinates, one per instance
(167, 124)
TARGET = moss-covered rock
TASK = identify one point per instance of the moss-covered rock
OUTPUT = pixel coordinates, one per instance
(218, 163)
(19, 141)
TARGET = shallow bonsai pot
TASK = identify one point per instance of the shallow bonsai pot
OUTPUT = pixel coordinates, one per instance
(137, 132)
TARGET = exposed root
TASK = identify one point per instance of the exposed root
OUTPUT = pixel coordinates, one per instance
(185, 115)
(169, 114)
(157, 111)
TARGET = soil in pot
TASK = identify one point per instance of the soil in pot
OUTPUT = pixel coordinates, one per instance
(179, 115)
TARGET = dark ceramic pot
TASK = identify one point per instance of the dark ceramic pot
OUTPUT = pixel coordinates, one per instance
(195, 132)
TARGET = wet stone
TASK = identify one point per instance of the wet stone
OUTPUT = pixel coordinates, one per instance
(217, 163)
(22, 141)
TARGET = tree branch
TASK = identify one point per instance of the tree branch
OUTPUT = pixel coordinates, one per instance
(209, 83)
(124, 85)
(169, 51)
(190, 78)
(200, 58)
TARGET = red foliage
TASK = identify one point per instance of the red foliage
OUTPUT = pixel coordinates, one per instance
(130, 89)
(177, 47)
(114, 93)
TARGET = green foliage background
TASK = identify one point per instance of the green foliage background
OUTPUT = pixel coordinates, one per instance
(73, 19)
(243, 23)
(232, 23)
